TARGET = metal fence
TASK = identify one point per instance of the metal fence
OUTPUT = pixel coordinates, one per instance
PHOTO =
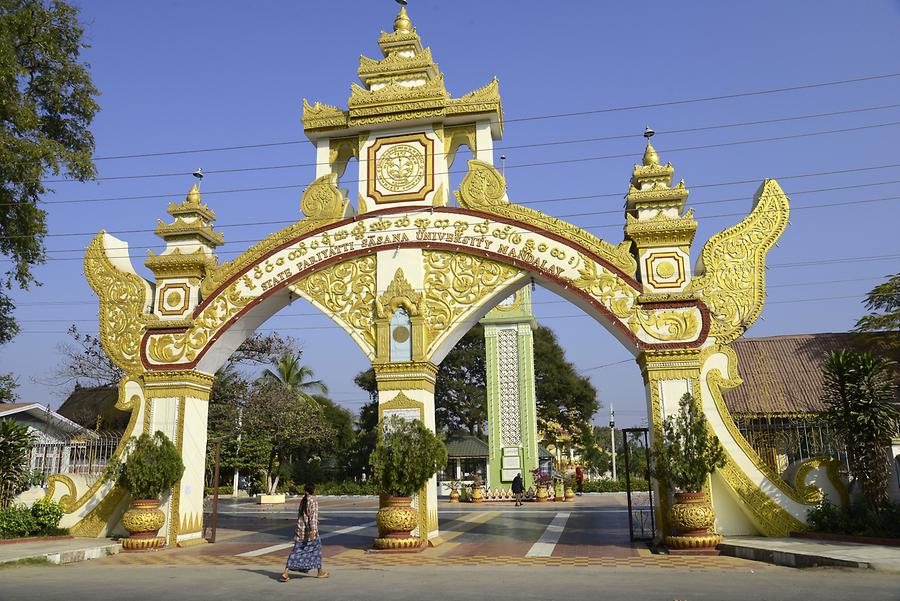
(782, 441)
(86, 454)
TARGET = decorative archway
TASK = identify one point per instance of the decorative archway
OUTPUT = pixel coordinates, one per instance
(404, 248)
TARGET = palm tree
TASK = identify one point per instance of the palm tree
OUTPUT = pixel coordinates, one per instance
(293, 375)
(861, 409)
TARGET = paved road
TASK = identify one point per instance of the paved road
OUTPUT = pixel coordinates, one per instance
(496, 552)
(95, 582)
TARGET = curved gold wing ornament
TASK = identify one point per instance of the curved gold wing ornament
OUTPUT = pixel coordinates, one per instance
(731, 276)
(484, 189)
(125, 300)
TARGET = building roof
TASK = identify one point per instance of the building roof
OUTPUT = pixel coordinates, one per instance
(40, 413)
(783, 374)
(465, 445)
(86, 404)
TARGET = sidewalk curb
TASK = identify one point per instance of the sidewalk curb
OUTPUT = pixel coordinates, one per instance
(70, 556)
(789, 559)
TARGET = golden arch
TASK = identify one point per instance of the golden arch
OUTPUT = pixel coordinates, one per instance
(448, 266)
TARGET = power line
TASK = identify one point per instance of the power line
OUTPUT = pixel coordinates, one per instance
(786, 285)
(513, 166)
(518, 146)
(549, 317)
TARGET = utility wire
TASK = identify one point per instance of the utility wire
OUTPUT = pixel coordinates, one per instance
(513, 166)
(527, 145)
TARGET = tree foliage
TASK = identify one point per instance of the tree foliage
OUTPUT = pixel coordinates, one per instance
(8, 387)
(47, 103)
(152, 466)
(291, 373)
(862, 410)
(281, 419)
(459, 392)
(883, 304)
(406, 456)
(687, 453)
(15, 443)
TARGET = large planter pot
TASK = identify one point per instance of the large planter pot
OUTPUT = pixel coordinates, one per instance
(454, 496)
(570, 494)
(143, 521)
(396, 519)
(692, 516)
(541, 495)
(478, 494)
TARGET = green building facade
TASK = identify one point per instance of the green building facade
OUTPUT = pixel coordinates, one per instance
(512, 412)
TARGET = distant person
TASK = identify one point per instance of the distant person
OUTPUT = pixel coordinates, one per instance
(307, 551)
(517, 489)
(579, 479)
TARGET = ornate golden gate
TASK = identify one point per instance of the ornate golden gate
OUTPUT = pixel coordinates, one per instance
(406, 274)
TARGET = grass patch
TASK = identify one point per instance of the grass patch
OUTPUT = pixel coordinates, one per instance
(29, 561)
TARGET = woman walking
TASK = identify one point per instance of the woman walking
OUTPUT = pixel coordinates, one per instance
(307, 551)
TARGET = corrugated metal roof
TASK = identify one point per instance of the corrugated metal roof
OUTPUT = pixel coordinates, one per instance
(783, 374)
(465, 445)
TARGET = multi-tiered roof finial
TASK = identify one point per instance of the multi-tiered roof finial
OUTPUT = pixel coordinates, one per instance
(402, 24)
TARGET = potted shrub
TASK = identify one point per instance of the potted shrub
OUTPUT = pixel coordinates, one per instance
(569, 488)
(477, 489)
(151, 467)
(541, 482)
(454, 491)
(684, 459)
(406, 455)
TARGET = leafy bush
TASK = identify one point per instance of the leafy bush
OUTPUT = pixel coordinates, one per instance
(152, 466)
(687, 453)
(47, 514)
(16, 521)
(223, 490)
(614, 485)
(15, 443)
(406, 456)
(347, 488)
(858, 520)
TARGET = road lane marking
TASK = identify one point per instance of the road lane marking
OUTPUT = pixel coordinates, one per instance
(282, 546)
(545, 545)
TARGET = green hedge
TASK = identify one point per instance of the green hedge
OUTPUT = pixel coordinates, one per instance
(223, 490)
(333, 488)
(857, 520)
(614, 485)
(42, 519)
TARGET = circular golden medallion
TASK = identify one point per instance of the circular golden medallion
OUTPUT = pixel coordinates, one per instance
(665, 269)
(173, 299)
(401, 168)
(401, 334)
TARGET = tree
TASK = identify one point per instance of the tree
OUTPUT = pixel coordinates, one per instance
(8, 387)
(883, 304)
(460, 401)
(47, 103)
(366, 435)
(862, 411)
(293, 375)
(15, 443)
(563, 396)
(687, 453)
(283, 420)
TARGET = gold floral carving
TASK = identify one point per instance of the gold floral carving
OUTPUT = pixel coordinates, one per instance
(173, 347)
(323, 200)
(322, 116)
(609, 289)
(399, 293)
(666, 325)
(93, 524)
(486, 192)
(813, 494)
(124, 298)
(456, 283)
(347, 291)
(731, 269)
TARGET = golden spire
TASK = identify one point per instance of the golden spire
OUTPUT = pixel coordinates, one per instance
(402, 24)
(651, 158)
(193, 196)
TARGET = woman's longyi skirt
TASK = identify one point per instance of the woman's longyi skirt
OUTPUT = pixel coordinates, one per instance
(305, 556)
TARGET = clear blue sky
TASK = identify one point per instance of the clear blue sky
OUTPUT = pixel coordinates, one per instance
(187, 75)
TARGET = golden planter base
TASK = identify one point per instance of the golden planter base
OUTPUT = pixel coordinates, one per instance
(398, 545)
(143, 544)
(706, 541)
